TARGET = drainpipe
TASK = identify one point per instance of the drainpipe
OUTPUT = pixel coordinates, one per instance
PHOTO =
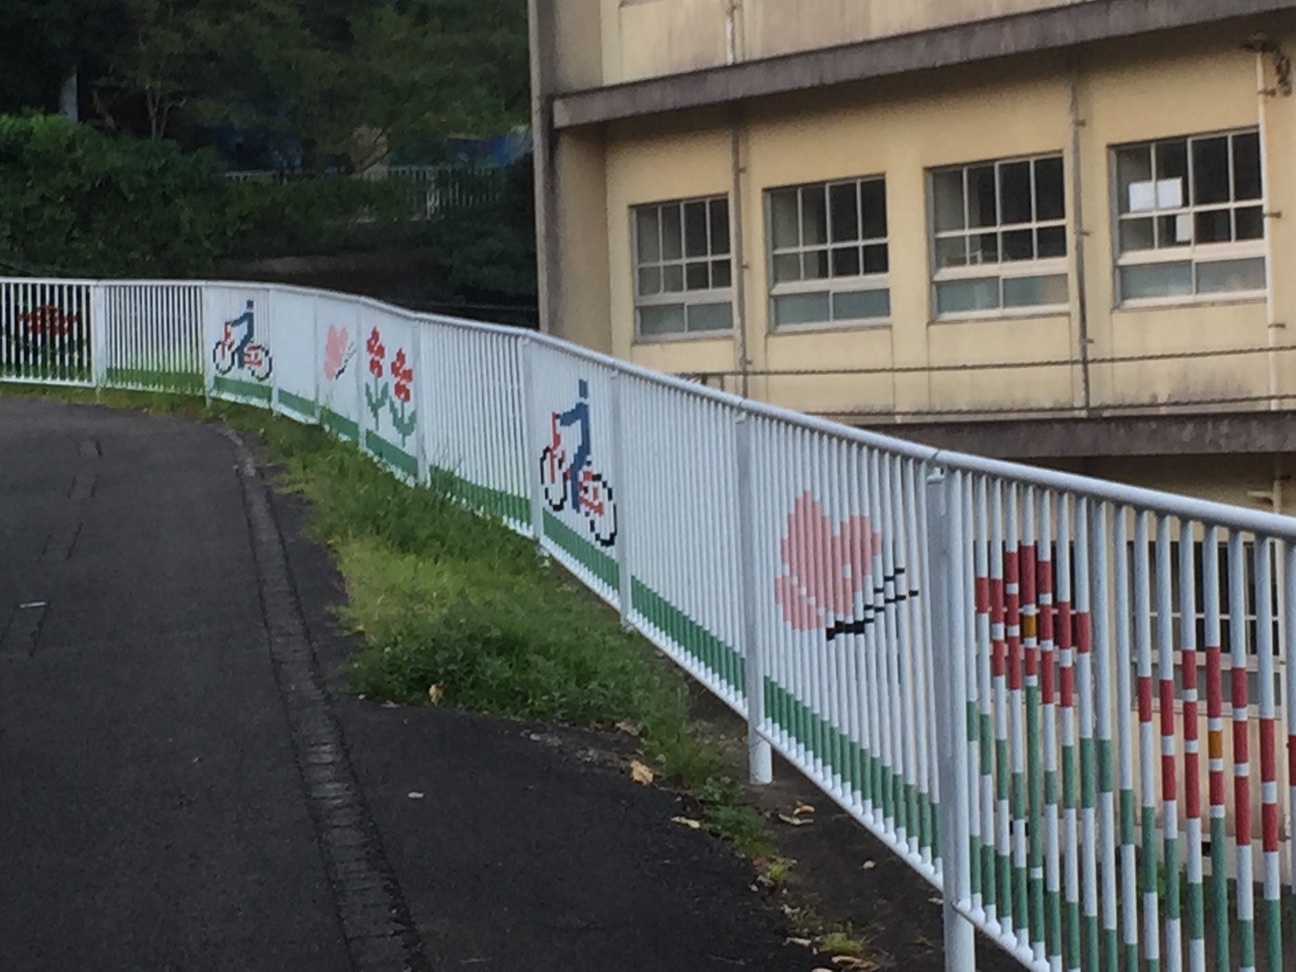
(739, 259)
(1077, 219)
(1262, 46)
(732, 56)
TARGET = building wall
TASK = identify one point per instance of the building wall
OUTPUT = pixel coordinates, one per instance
(650, 38)
(1187, 83)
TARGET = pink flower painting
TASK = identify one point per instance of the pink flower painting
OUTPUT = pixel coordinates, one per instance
(338, 352)
(825, 568)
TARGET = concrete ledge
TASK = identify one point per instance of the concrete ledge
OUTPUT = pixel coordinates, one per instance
(1045, 30)
(1163, 435)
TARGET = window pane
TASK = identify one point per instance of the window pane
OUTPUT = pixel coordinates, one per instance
(801, 309)
(1172, 173)
(983, 249)
(1210, 170)
(661, 320)
(846, 262)
(873, 195)
(1214, 226)
(673, 278)
(695, 229)
(1050, 194)
(1176, 230)
(646, 229)
(710, 317)
(650, 281)
(1137, 234)
(862, 305)
(719, 227)
(815, 265)
(951, 252)
(947, 201)
(697, 276)
(876, 259)
(787, 266)
(1015, 192)
(1133, 169)
(1019, 245)
(1231, 275)
(843, 200)
(962, 296)
(1051, 242)
(720, 273)
(1159, 280)
(982, 199)
(672, 233)
(1246, 166)
(1035, 291)
(814, 215)
(785, 223)
(1250, 223)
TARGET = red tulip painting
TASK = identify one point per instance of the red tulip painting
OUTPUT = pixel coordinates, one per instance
(338, 352)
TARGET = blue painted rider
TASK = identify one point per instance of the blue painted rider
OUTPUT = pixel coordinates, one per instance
(578, 415)
(245, 319)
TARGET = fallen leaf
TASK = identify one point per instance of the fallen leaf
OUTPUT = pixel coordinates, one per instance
(853, 962)
(688, 822)
(415, 795)
(435, 692)
(869, 865)
(803, 942)
(802, 809)
(628, 727)
(794, 821)
(640, 773)
(390, 705)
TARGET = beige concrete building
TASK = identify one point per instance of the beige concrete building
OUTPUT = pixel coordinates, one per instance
(1045, 229)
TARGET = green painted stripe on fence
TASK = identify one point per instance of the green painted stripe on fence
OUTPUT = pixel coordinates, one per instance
(304, 407)
(696, 640)
(502, 504)
(394, 456)
(339, 424)
(1246, 939)
(1219, 893)
(186, 382)
(587, 555)
(1196, 908)
(244, 389)
(1273, 932)
(788, 712)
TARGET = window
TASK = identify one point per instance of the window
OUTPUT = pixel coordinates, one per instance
(828, 253)
(1190, 220)
(999, 237)
(683, 273)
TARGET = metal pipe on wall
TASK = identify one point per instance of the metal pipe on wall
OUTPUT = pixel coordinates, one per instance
(1271, 315)
(1077, 202)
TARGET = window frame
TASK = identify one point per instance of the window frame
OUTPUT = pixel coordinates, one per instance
(1193, 254)
(1000, 270)
(831, 286)
(685, 298)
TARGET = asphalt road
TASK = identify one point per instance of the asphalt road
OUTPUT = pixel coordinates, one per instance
(185, 784)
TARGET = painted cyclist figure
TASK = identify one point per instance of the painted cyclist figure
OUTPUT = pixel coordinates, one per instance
(567, 472)
(248, 319)
(237, 347)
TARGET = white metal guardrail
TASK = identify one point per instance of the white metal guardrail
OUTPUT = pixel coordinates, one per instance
(1006, 674)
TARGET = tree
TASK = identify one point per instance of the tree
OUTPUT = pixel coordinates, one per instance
(45, 40)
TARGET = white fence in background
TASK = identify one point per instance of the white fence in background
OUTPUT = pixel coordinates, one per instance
(1005, 674)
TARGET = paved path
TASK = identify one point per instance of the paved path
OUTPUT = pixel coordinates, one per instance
(183, 786)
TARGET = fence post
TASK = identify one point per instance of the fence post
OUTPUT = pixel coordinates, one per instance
(531, 460)
(98, 337)
(946, 545)
(760, 756)
(620, 457)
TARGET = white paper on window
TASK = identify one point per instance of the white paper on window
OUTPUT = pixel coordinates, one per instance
(1142, 197)
(1169, 194)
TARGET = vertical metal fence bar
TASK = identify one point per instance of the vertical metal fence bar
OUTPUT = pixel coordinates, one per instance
(1192, 770)
(1085, 711)
(1066, 696)
(1287, 597)
(760, 760)
(999, 671)
(1147, 742)
(1210, 561)
(1016, 707)
(1034, 762)
(1125, 705)
(1263, 579)
(947, 543)
(986, 650)
(1163, 566)
(1237, 612)
(1100, 633)
(1048, 698)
